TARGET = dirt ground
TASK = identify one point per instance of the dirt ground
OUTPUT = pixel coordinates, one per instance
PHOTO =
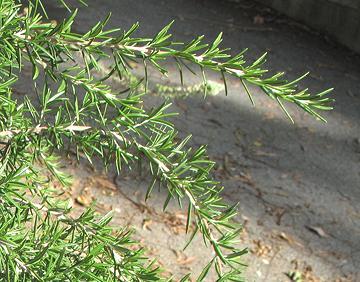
(298, 185)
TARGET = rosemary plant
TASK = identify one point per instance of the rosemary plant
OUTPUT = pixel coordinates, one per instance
(76, 109)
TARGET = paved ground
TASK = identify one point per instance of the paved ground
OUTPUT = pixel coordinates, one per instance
(298, 185)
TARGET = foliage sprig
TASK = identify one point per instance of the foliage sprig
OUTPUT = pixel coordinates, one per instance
(76, 108)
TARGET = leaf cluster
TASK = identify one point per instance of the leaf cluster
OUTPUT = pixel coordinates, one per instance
(75, 109)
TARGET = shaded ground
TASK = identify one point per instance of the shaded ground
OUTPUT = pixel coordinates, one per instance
(298, 185)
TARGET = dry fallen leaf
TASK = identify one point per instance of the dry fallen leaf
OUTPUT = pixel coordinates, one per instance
(257, 143)
(239, 136)
(102, 182)
(262, 153)
(259, 19)
(146, 224)
(289, 239)
(182, 105)
(228, 164)
(277, 212)
(133, 65)
(103, 208)
(285, 237)
(261, 249)
(185, 260)
(176, 222)
(346, 278)
(308, 275)
(84, 200)
(182, 258)
(317, 230)
(246, 178)
(304, 274)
